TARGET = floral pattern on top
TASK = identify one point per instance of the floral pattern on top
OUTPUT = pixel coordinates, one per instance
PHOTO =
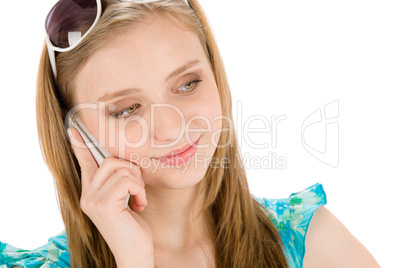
(292, 217)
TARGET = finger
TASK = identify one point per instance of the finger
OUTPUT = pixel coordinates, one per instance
(115, 170)
(108, 168)
(136, 170)
(131, 205)
(139, 199)
(116, 189)
(85, 159)
(133, 174)
(126, 172)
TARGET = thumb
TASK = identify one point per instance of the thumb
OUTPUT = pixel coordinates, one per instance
(83, 154)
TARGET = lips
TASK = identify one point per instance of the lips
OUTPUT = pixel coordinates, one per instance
(181, 158)
(178, 151)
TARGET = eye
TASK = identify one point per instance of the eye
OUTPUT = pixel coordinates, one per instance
(190, 86)
(131, 109)
(128, 111)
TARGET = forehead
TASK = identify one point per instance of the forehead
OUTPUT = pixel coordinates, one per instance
(145, 53)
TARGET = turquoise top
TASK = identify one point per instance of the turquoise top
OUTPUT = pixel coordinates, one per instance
(291, 217)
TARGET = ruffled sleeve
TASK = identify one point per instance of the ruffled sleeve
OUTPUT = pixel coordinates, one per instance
(53, 254)
(292, 217)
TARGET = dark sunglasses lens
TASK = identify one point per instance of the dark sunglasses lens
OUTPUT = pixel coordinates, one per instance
(69, 20)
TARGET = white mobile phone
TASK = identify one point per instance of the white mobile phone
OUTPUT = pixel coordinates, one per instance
(96, 149)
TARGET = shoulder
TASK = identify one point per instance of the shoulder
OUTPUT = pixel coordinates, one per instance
(330, 244)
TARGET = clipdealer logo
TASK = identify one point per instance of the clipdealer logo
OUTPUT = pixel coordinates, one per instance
(319, 137)
(271, 159)
(320, 134)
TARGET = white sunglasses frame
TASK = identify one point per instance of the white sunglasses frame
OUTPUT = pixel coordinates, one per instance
(51, 49)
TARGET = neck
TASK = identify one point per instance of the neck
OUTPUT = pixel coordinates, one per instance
(172, 216)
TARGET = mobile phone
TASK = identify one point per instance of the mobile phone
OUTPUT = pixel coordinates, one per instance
(96, 149)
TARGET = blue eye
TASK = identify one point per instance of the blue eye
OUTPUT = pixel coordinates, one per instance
(190, 86)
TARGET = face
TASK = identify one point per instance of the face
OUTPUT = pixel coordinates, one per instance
(150, 91)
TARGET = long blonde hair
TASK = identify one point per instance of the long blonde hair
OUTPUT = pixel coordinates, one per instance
(242, 233)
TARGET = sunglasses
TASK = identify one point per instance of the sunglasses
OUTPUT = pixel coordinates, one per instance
(69, 22)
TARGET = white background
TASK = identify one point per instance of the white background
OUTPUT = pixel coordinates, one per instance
(282, 58)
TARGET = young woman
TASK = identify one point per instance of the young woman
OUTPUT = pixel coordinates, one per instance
(146, 79)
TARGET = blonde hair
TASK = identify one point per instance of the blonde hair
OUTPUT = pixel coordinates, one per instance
(240, 227)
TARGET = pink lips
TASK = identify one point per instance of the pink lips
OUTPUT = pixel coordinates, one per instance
(179, 156)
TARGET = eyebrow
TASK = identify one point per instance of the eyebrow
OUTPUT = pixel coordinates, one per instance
(181, 69)
(120, 93)
(125, 92)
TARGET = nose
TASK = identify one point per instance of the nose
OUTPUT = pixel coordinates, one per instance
(167, 123)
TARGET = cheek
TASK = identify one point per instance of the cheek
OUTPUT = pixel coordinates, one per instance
(208, 113)
(215, 113)
(210, 107)
(206, 102)
(90, 119)
(127, 138)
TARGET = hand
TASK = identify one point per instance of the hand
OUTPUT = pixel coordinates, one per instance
(104, 190)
